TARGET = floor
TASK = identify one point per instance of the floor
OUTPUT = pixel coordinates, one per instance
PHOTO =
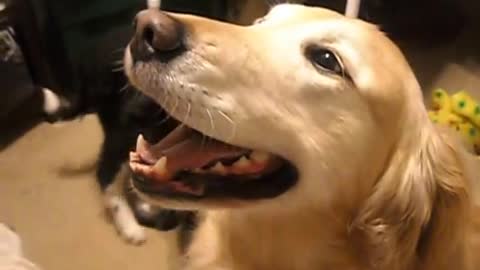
(49, 195)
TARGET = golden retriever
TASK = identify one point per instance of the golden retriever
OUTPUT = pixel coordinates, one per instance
(304, 142)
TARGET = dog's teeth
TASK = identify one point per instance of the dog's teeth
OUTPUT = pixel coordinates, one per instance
(219, 168)
(161, 166)
(243, 162)
(142, 144)
(259, 156)
(134, 157)
(198, 170)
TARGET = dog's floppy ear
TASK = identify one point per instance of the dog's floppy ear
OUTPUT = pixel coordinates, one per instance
(416, 216)
(443, 240)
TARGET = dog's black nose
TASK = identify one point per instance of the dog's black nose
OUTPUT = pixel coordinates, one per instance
(156, 33)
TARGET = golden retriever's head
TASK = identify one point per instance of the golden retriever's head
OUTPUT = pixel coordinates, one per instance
(327, 94)
(303, 110)
(331, 99)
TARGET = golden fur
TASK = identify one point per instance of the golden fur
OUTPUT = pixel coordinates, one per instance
(380, 187)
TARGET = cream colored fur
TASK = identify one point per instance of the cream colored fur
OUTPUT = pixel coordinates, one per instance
(380, 187)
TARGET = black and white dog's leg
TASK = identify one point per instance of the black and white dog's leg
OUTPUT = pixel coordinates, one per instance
(122, 215)
(153, 216)
(55, 108)
(52, 103)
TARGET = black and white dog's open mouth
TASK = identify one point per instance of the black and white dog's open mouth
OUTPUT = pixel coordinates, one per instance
(189, 165)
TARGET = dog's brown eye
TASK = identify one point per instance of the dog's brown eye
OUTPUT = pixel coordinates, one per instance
(325, 59)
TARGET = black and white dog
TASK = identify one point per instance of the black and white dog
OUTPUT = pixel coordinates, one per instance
(123, 113)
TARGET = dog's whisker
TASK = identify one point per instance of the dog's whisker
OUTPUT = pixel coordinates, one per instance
(232, 123)
(167, 99)
(204, 142)
(125, 87)
(119, 50)
(164, 120)
(174, 107)
(189, 107)
(118, 69)
(210, 117)
(118, 62)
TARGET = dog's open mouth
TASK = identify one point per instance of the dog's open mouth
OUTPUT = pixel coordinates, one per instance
(188, 164)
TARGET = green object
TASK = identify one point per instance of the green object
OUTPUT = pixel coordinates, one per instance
(473, 131)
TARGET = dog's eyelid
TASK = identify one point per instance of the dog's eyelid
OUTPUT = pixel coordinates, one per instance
(311, 51)
(260, 20)
(344, 73)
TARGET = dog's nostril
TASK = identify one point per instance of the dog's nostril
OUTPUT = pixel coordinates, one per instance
(158, 31)
(148, 36)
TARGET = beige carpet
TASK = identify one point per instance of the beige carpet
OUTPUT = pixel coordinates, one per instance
(49, 194)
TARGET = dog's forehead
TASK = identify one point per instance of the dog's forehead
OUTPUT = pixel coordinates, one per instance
(315, 24)
(371, 58)
(295, 12)
(361, 44)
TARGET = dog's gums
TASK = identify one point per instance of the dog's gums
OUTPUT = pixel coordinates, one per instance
(187, 163)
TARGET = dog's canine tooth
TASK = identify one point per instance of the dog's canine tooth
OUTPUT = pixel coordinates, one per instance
(134, 157)
(142, 144)
(219, 168)
(259, 156)
(161, 166)
(243, 162)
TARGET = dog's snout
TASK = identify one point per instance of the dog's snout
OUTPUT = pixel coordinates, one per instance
(155, 33)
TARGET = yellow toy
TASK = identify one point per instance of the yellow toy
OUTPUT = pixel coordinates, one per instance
(441, 100)
(459, 111)
(466, 106)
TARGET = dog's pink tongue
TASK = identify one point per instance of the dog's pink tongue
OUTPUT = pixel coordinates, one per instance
(184, 149)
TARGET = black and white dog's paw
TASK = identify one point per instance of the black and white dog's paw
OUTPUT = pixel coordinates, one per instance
(125, 221)
(132, 232)
(155, 217)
